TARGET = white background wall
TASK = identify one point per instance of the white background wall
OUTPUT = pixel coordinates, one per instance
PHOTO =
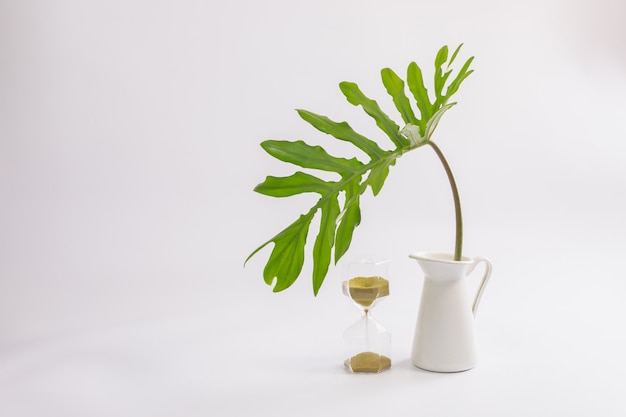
(129, 135)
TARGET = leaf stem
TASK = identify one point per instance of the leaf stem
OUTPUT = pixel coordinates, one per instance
(458, 244)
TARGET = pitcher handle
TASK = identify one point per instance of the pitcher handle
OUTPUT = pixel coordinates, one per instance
(483, 282)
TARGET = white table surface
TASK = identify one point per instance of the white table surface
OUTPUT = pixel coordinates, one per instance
(550, 345)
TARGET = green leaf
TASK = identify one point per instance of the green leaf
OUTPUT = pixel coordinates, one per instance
(454, 54)
(342, 131)
(307, 156)
(395, 87)
(341, 216)
(287, 258)
(415, 81)
(379, 173)
(440, 98)
(349, 219)
(440, 77)
(287, 272)
(434, 121)
(297, 183)
(356, 97)
(442, 56)
(325, 241)
(464, 72)
(413, 134)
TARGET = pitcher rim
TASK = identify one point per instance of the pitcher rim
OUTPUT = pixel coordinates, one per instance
(442, 257)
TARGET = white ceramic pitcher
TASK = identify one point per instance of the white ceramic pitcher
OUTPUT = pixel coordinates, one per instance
(445, 340)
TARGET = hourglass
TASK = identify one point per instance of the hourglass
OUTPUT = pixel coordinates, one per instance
(368, 343)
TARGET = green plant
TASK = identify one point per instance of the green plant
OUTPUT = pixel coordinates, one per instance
(339, 201)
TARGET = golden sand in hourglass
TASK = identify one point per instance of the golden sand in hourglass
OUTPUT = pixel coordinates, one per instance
(369, 363)
(366, 290)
